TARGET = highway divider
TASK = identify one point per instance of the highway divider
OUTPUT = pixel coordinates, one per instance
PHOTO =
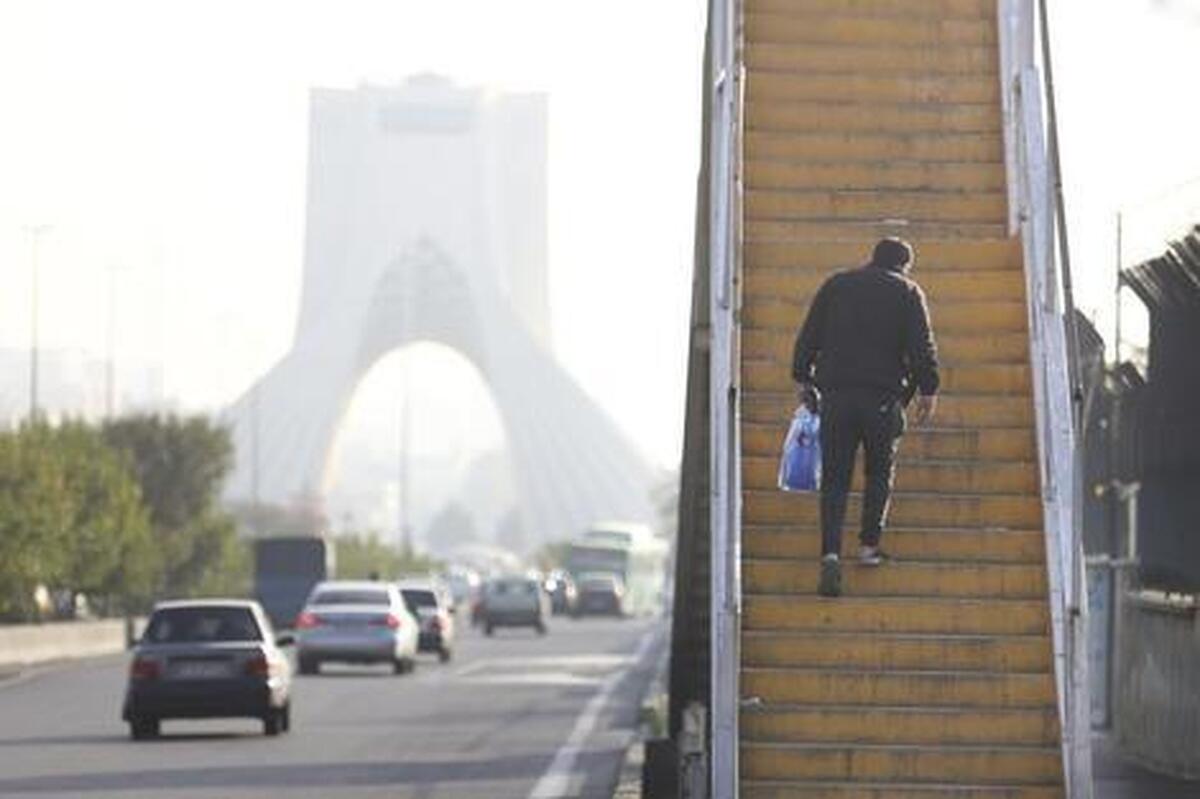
(29, 644)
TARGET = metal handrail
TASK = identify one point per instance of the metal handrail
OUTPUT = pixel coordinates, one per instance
(724, 466)
(1033, 171)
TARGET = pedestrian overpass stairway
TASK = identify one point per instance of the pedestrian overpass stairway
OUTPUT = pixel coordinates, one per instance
(932, 676)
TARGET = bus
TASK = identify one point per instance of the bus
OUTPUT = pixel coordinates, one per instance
(285, 570)
(630, 551)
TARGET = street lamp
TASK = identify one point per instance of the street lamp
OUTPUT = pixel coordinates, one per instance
(35, 236)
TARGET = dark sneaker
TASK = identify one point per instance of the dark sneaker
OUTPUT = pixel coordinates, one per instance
(831, 577)
(871, 556)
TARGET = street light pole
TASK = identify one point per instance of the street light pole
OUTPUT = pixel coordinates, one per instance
(35, 234)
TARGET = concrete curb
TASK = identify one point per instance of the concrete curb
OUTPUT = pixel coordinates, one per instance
(25, 645)
(653, 705)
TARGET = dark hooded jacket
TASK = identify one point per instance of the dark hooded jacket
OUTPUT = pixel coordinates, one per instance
(868, 328)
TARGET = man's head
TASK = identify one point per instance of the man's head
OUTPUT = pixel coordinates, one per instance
(893, 254)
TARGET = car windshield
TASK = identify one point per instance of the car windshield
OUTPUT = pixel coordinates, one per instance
(419, 598)
(201, 624)
(350, 596)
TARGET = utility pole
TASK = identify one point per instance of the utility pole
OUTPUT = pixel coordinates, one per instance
(35, 233)
(110, 348)
(402, 512)
(254, 450)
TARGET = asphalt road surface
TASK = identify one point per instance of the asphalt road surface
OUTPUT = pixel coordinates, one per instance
(516, 715)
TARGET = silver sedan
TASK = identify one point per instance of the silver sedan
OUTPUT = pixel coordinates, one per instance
(356, 622)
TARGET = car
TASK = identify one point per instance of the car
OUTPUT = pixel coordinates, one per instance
(514, 602)
(434, 612)
(215, 658)
(600, 594)
(356, 621)
(563, 594)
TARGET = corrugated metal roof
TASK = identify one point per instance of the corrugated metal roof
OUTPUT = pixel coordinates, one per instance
(1171, 282)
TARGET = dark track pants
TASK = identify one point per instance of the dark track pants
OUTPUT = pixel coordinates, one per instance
(851, 417)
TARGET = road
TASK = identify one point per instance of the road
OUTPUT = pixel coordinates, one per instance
(516, 716)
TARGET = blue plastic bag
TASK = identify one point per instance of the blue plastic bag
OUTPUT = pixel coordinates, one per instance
(800, 465)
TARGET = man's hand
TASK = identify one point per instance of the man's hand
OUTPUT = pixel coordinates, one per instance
(926, 407)
(807, 395)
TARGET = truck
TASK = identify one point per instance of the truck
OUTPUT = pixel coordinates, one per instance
(285, 570)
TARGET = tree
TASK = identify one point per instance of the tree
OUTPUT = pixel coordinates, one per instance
(111, 552)
(181, 464)
(363, 556)
(34, 519)
(71, 518)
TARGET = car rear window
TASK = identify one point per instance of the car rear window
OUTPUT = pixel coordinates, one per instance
(198, 625)
(514, 587)
(351, 596)
(419, 598)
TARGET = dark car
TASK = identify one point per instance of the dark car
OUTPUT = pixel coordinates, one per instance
(435, 614)
(514, 602)
(207, 659)
(601, 594)
(562, 591)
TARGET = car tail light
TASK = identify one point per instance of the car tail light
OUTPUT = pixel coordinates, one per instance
(258, 666)
(306, 621)
(144, 669)
(435, 624)
(391, 620)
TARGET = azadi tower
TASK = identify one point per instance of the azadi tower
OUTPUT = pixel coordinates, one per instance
(426, 221)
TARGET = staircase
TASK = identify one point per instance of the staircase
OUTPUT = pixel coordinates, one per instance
(932, 677)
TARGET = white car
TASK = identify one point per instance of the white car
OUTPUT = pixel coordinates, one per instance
(349, 621)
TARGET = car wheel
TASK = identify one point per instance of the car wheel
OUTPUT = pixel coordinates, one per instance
(309, 666)
(488, 629)
(444, 655)
(541, 628)
(142, 729)
(285, 717)
(273, 722)
(400, 666)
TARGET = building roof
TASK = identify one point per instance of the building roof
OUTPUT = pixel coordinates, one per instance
(1169, 283)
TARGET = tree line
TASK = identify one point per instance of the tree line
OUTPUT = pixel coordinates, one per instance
(123, 512)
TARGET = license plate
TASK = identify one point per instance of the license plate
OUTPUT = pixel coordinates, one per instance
(200, 671)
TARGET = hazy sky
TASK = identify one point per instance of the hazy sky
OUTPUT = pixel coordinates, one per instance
(166, 142)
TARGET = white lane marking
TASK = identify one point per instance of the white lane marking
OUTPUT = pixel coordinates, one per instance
(557, 779)
(539, 678)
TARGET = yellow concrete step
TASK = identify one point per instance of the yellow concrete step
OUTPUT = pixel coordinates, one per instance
(764, 147)
(897, 615)
(957, 347)
(949, 477)
(799, 541)
(992, 378)
(859, 30)
(900, 725)
(981, 318)
(800, 285)
(941, 764)
(926, 9)
(816, 789)
(899, 578)
(955, 412)
(998, 653)
(873, 60)
(1019, 512)
(893, 175)
(932, 255)
(892, 117)
(772, 86)
(765, 85)
(923, 206)
(866, 229)
(909, 688)
(765, 438)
